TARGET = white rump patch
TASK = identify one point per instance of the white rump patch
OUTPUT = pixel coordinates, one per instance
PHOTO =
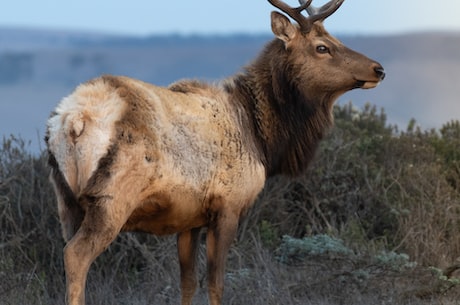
(81, 131)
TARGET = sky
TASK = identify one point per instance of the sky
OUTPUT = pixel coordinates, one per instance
(148, 17)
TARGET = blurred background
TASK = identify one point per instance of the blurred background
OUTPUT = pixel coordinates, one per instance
(49, 47)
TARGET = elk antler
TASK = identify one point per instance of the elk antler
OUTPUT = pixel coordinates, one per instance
(321, 13)
(315, 13)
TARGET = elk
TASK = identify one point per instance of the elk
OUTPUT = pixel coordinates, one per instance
(126, 155)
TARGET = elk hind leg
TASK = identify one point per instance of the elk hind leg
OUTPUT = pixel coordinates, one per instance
(187, 245)
(220, 236)
(92, 238)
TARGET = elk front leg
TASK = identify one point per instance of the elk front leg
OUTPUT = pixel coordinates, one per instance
(187, 244)
(220, 236)
(93, 237)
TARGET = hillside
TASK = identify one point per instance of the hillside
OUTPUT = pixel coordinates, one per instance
(373, 221)
(38, 68)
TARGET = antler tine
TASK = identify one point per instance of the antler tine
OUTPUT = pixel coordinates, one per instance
(295, 13)
(315, 13)
(321, 13)
(305, 3)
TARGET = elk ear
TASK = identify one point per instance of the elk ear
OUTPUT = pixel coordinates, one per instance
(282, 27)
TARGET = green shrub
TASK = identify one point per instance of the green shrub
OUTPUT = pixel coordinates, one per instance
(394, 261)
(295, 250)
(372, 192)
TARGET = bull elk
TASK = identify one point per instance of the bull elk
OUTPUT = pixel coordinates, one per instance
(130, 156)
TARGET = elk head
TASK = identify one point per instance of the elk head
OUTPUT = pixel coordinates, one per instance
(323, 64)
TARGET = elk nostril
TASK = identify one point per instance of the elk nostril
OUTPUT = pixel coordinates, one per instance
(380, 72)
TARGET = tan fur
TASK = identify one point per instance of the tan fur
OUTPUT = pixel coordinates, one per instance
(130, 156)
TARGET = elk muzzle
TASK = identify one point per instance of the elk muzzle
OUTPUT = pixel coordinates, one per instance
(379, 75)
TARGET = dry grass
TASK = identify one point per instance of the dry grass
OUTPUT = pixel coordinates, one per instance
(378, 192)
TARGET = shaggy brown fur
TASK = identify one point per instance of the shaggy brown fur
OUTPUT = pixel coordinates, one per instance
(130, 156)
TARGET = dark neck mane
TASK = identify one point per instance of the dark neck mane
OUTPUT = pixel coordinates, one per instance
(288, 122)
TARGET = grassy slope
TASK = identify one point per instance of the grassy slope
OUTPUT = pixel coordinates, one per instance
(388, 202)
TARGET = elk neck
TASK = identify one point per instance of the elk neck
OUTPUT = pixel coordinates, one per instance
(287, 121)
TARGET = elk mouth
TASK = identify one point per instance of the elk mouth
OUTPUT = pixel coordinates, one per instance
(369, 84)
(363, 84)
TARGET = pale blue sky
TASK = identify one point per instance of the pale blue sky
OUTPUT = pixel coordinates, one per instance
(145, 17)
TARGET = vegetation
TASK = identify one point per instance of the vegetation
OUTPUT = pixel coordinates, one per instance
(375, 220)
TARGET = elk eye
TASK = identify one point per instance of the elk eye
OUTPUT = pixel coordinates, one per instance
(322, 49)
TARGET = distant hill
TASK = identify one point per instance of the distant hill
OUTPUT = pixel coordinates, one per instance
(38, 68)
